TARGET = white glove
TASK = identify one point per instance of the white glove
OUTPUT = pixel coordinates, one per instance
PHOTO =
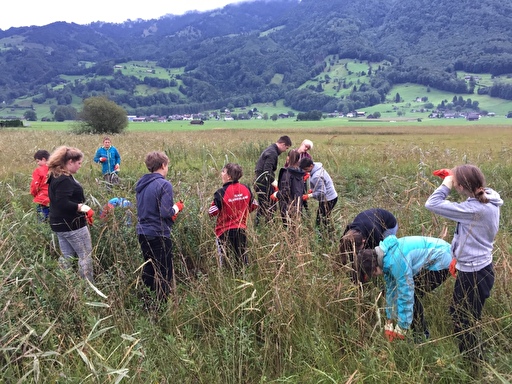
(84, 208)
(400, 330)
(176, 209)
(448, 181)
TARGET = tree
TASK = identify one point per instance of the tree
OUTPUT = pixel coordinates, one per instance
(100, 115)
(30, 115)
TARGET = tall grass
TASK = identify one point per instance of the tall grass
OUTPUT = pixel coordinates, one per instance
(292, 316)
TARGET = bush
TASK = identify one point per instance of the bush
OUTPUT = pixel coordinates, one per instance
(100, 116)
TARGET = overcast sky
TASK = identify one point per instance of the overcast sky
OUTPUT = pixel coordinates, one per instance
(22, 13)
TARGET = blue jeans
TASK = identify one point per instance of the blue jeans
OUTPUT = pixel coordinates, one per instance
(77, 243)
(43, 212)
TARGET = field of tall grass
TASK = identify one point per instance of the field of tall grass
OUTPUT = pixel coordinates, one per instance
(292, 316)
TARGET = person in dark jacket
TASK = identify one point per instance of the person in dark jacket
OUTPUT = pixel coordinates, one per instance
(265, 182)
(156, 213)
(366, 231)
(290, 189)
(69, 215)
(231, 205)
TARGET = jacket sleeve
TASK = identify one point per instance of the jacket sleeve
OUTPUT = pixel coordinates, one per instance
(438, 204)
(34, 183)
(117, 157)
(97, 156)
(318, 187)
(216, 205)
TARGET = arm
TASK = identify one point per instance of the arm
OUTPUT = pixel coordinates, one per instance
(405, 292)
(438, 204)
(34, 184)
(216, 205)
(97, 156)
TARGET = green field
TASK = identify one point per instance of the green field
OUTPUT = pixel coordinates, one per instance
(293, 316)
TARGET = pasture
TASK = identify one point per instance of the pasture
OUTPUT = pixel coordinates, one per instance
(292, 316)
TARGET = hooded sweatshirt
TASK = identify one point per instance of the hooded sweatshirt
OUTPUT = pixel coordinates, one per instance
(154, 205)
(321, 183)
(372, 224)
(477, 226)
(401, 259)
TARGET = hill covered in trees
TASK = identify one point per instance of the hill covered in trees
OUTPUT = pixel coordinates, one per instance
(263, 51)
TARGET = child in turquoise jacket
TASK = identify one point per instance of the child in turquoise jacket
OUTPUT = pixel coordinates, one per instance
(411, 266)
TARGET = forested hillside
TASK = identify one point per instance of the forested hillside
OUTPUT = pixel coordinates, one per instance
(262, 51)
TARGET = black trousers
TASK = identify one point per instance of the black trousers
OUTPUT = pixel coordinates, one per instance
(266, 209)
(324, 211)
(469, 294)
(157, 270)
(233, 242)
(425, 281)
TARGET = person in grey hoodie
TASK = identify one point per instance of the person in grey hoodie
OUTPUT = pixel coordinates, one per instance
(322, 189)
(477, 225)
(156, 213)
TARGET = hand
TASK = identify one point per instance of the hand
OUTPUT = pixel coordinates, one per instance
(89, 216)
(116, 167)
(274, 184)
(306, 197)
(452, 269)
(274, 197)
(178, 207)
(84, 208)
(442, 173)
(103, 159)
(174, 217)
(306, 176)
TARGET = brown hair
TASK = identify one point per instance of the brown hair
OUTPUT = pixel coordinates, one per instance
(350, 244)
(234, 171)
(59, 158)
(293, 158)
(364, 265)
(286, 140)
(472, 180)
(155, 160)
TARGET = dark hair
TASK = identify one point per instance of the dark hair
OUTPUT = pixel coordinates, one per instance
(42, 154)
(472, 180)
(364, 265)
(305, 162)
(155, 160)
(234, 171)
(350, 244)
(286, 140)
(293, 158)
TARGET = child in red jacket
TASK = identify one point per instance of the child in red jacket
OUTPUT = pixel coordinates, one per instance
(232, 204)
(38, 186)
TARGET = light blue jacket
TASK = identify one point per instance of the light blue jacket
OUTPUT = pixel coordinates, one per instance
(403, 259)
(112, 156)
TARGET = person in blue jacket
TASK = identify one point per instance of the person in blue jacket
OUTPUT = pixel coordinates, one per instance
(156, 214)
(110, 160)
(411, 266)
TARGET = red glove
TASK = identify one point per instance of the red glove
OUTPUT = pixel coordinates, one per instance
(274, 197)
(305, 197)
(452, 269)
(442, 173)
(89, 216)
(394, 334)
(306, 176)
(178, 207)
(103, 159)
(274, 184)
(116, 168)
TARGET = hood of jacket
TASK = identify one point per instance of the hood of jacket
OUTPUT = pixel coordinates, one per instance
(145, 180)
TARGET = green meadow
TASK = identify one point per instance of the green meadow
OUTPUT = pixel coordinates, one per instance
(293, 316)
